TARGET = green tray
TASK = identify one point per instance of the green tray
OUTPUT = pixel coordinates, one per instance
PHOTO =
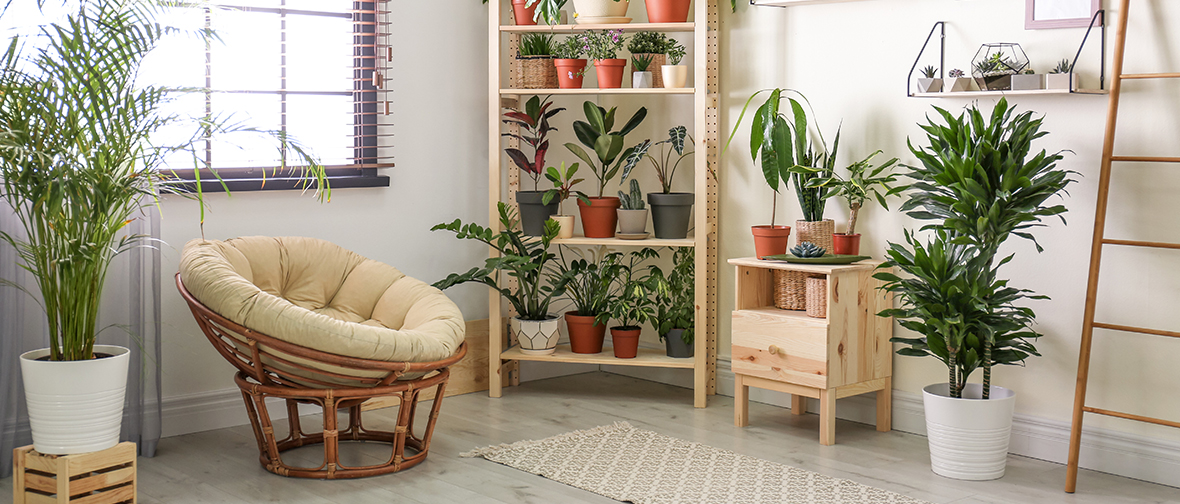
(827, 259)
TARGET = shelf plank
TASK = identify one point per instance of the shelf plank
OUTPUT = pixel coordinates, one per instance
(578, 28)
(647, 357)
(597, 91)
(792, 3)
(690, 241)
(824, 269)
(1024, 92)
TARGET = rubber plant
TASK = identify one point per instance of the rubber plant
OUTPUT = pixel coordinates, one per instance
(534, 131)
(863, 180)
(978, 183)
(597, 133)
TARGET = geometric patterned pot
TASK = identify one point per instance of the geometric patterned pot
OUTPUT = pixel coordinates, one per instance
(536, 337)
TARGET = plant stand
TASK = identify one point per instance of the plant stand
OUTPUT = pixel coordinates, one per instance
(846, 354)
(102, 477)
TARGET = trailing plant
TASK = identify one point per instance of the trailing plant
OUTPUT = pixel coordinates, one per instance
(563, 186)
(633, 306)
(649, 42)
(929, 72)
(596, 132)
(863, 180)
(955, 73)
(534, 130)
(675, 53)
(641, 63)
(665, 168)
(602, 44)
(1063, 66)
(569, 48)
(520, 257)
(590, 281)
(632, 200)
(547, 10)
(675, 295)
(536, 44)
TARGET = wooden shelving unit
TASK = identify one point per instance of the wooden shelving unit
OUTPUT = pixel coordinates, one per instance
(504, 38)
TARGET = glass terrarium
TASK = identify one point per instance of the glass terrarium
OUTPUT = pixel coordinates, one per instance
(994, 65)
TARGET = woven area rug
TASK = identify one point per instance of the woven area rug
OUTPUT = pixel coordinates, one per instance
(634, 465)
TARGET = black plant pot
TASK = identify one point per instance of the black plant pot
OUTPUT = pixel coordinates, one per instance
(674, 341)
(532, 213)
(671, 213)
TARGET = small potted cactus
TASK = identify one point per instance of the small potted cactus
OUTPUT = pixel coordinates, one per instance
(1028, 80)
(1062, 77)
(956, 82)
(928, 83)
(641, 78)
(808, 250)
(632, 211)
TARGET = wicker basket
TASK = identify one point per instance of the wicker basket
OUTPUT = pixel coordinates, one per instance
(537, 72)
(819, 233)
(817, 296)
(657, 60)
(790, 290)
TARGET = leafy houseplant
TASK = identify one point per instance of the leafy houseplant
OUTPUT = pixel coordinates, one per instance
(534, 124)
(863, 180)
(632, 211)
(650, 44)
(529, 12)
(1062, 76)
(641, 77)
(929, 83)
(590, 287)
(563, 187)
(571, 66)
(524, 260)
(956, 81)
(597, 133)
(603, 46)
(633, 306)
(675, 300)
(537, 70)
(675, 74)
(670, 212)
(978, 183)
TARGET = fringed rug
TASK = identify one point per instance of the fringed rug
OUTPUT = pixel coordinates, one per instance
(634, 465)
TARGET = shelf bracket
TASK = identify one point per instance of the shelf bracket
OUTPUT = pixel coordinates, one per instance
(938, 25)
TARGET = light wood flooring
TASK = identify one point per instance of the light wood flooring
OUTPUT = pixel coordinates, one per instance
(222, 466)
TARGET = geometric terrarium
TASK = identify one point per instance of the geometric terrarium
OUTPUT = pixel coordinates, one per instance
(994, 65)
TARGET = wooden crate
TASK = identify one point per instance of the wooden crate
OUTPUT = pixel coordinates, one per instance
(103, 477)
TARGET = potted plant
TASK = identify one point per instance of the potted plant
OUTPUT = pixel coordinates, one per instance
(671, 212)
(668, 11)
(571, 66)
(1028, 80)
(632, 306)
(995, 64)
(537, 70)
(928, 83)
(956, 82)
(77, 164)
(601, 11)
(632, 211)
(590, 286)
(675, 300)
(530, 288)
(863, 179)
(563, 187)
(978, 184)
(1062, 77)
(650, 44)
(641, 77)
(675, 75)
(598, 214)
(534, 130)
(528, 12)
(603, 46)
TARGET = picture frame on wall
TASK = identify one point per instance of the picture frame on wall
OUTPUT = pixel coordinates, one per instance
(1041, 14)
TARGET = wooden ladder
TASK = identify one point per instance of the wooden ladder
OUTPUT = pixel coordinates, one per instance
(1088, 325)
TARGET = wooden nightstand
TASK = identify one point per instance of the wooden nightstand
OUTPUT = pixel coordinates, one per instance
(845, 354)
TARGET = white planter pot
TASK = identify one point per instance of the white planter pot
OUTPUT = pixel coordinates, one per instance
(641, 80)
(1028, 82)
(957, 84)
(969, 436)
(536, 337)
(75, 406)
(566, 225)
(1061, 81)
(675, 76)
(929, 85)
(596, 9)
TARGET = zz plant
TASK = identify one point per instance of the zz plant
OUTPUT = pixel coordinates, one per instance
(597, 133)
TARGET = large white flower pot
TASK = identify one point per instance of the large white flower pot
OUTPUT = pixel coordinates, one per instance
(968, 436)
(536, 337)
(589, 10)
(75, 406)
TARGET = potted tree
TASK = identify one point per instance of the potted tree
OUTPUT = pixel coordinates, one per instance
(671, 212)
(653, 45)
(928, 83)
(978, 184)
(537, 70)
(675, 75)
(563, 187)
(632, 306)
(668, 11)
(598, 214)
(863, 179)
(603, 46)
(590, 287)
(641, 76)
(571, 66)
(632, 213)
(523, 260)
(534, 130)
(601, 11)
(675, 300)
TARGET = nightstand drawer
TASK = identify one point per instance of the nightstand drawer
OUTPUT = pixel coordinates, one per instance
(780, 345)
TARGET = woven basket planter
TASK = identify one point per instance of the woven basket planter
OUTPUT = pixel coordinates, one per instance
(818, 232)
(537, 72)
(790, 290)
(657, 60)
(817, 297)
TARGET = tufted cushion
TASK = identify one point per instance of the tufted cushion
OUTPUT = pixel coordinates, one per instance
(317, 295)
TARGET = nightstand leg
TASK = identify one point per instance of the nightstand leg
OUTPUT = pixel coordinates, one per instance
(798, 404)
(741, 401)
(885, 407)
(827, 417)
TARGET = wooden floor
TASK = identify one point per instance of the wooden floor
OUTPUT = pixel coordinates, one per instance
(222, 466)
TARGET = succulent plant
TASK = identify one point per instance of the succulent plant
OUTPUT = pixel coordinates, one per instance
(633, 201)
(955, 74)
(1029, 71)
(641, 63)
(929, 72)
(808, 249)
(1062, 67)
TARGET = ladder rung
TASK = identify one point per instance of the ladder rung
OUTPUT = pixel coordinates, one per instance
(1146, 159)
(1128, 416)
(1133, 243)
(1141, 330)
(1151, 76)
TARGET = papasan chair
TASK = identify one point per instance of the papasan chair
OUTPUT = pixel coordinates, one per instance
(310, 322)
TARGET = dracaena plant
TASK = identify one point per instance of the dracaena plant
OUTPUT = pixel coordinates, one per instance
(863, 180)
(534, 131)
(597, 133)
(664, 165)
(674, 294)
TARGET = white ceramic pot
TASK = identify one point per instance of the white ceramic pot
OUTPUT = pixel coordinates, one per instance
(536, 337)
(566, 223)
(1061, 81)
(641, 80)
(969, 436)
(1028, 82)
(600, 8)
(957, 84)
(75, 406)
(675, 76)
(929, 85)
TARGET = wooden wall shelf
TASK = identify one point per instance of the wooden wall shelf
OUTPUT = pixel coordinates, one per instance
(1026, 92)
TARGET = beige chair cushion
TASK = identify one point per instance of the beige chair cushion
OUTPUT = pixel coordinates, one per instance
(317, 295)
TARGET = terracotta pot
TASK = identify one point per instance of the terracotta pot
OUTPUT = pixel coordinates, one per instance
(625, 341)
(524, 15)
(817, 232)
(585, 336)
(770, 240)
(667, 11)
(610, 72)
(599, 217)
(570, 73)
(846, 244)
(567, 225)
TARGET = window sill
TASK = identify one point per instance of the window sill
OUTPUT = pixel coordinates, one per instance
(342, 179)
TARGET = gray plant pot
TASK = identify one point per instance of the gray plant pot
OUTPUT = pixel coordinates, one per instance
(632, 221)
(957, 85)
(674, 342)
(929, 85)
(1028, 82)
(532, 213)
(1061, 81)
(670, 214)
